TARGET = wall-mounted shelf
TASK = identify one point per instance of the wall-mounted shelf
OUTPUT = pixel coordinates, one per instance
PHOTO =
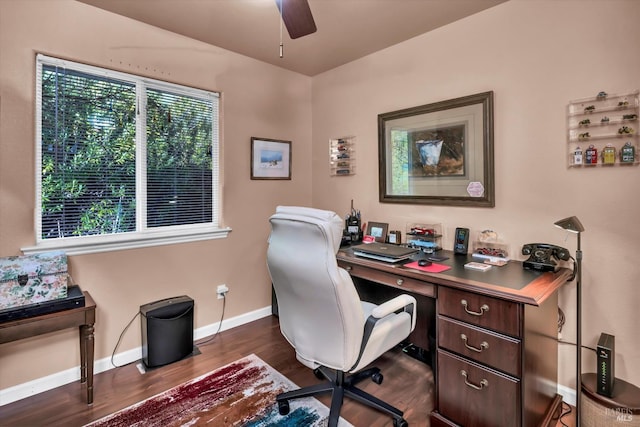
(342, 156)
(603, 130)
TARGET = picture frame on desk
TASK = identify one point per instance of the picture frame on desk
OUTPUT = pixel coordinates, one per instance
(378, 230)
(439, 153)
(270, 159)
(394, 237)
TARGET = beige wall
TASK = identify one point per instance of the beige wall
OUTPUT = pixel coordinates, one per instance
(536, 56)
(257, 100)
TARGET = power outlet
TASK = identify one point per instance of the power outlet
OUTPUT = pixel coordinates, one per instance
(222, 290)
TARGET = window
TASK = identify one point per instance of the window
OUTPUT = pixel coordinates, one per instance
(400, 161)
(122, 161)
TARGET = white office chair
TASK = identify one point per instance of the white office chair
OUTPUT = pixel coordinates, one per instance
(321, 315)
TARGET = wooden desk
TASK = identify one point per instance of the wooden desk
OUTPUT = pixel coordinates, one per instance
(494, 343)
(83, 317)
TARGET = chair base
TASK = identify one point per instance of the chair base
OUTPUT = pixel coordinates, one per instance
(340, 386)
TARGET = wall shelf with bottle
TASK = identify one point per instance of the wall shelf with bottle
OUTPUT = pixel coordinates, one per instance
(342, 156)
(603, 130)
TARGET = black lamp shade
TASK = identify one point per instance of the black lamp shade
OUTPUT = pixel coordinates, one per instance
(571, 224)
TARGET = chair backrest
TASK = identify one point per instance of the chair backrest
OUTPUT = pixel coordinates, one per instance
(320, 312)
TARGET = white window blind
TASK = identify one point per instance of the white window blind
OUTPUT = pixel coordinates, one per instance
(123, 159)
(179, 166)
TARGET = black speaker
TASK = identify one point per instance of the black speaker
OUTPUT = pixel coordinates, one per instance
(167, 330)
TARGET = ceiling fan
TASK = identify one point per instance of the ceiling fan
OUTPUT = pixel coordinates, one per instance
(297, 17)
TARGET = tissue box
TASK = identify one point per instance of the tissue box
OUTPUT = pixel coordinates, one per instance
(31, 279)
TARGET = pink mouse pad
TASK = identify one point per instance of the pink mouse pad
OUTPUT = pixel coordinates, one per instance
(433, 268)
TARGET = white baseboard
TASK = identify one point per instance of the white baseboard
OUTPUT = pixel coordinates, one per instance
(39, 385)
(58, 379)
(568, 394)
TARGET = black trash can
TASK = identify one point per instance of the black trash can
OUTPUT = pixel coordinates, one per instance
(167, 330)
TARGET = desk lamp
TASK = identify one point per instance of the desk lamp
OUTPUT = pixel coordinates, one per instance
(573, 225)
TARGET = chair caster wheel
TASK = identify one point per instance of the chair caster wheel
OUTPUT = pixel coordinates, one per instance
(318, 373)
(400, 423)
(283, 407)
(377, 378)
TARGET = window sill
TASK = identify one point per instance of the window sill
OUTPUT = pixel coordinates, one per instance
(80, 246)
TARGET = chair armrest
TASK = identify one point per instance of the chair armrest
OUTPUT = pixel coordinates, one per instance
(403, 302)
(398, 303)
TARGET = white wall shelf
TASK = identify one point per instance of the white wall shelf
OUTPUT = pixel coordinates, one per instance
(342, 156)
(603, 130)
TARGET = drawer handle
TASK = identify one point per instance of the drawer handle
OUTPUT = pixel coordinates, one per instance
(399, 282)
(348, 268)
(484, 308)
(483, 345)
(483, 382)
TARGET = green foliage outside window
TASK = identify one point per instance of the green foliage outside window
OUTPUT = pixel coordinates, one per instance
(88, 155)
(399, 162)
(179, 160)
(89, 148)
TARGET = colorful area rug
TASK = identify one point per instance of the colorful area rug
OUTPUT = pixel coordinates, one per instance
(241, 394)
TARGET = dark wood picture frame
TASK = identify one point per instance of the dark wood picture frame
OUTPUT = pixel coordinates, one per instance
(270, 158)
(378, 230)
(438, 154)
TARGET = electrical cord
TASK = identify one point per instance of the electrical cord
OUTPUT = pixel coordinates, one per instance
(561, 319)
(224, 303)
(575, 269)
(566, 410)
(120, 339)
(211, 338)
(582, 346)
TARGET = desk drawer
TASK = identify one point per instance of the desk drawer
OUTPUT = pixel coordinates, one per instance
(498, 315)
(390, 279)
(473, 396)
(498, 351)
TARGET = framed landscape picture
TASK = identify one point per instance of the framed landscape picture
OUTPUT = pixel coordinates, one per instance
(270, 159)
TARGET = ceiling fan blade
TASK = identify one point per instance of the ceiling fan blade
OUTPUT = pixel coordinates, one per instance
(297, 17)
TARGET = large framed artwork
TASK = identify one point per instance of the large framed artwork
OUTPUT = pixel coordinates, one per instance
(438, 154)
(270, 159)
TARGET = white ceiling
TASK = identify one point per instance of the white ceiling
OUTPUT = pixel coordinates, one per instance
(347, 29)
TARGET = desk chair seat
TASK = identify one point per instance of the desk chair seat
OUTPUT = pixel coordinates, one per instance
(321, 315)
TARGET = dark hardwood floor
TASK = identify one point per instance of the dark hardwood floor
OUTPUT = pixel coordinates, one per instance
(408, 383)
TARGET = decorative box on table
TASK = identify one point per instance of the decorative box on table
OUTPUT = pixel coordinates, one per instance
(489, 248)
(30, 279)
